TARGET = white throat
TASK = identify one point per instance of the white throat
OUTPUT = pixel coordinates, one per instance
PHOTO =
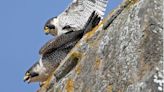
(40, 67)
(58, 27)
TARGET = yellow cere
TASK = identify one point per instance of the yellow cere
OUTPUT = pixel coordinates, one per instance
(46, 30)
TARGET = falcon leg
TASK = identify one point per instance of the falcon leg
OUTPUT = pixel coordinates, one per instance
(44, 86)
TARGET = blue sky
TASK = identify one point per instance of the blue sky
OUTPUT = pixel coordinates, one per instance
(21, 36)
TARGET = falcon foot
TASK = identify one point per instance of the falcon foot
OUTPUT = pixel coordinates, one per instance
(48, 84)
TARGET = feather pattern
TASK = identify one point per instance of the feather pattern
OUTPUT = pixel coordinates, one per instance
(77, 14)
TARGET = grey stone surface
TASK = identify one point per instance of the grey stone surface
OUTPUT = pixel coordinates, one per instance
(126, 57)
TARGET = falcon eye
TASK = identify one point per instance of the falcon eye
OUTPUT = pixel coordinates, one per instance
(34, 74)
(51, 26)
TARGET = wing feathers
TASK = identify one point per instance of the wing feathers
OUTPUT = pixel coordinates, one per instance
(77, 14)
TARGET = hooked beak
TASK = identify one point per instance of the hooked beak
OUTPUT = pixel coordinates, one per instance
(27, 78)
(52, 32)
(46, 30)
(46, 33)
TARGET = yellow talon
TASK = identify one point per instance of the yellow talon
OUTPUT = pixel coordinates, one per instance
(46, 84)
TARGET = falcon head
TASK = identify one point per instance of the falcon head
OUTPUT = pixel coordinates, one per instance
(51, 26)
(37, 73)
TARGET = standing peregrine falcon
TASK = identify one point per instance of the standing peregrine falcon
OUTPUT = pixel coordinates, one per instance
(55, 50)
(75, 16)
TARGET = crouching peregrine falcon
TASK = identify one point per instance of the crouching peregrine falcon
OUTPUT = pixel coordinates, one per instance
(47, 63)
(75, 16)
(55, 50)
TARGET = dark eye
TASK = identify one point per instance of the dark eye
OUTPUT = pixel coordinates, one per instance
(34, 74)
(51, 26)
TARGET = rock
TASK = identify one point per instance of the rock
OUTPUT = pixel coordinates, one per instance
(125, 57)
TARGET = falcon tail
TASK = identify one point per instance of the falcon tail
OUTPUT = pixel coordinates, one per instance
(92, 22)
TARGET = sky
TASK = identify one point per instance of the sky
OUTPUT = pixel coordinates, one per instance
(21, 36)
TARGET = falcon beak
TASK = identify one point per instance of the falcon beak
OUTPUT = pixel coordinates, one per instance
(46, 30)
(27, 78)
(46, 33)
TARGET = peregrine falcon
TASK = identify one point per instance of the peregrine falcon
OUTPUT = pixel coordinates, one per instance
(55, 50)
(75, 16)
